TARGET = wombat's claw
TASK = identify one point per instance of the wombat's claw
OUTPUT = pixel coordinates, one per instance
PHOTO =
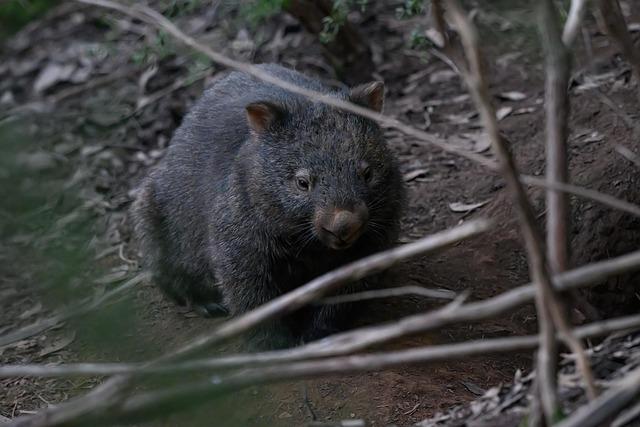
(211, 309)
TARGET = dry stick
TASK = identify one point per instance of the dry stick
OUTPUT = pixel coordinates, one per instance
(626, 416)
(574, 21)
(612, 19)
(111, 390)
(179, 398)
(390, 292)
(558, 62)
(601, 411)
(256, 360)
(550, 312)
(605, 199)
(157, 20)
(628, 154)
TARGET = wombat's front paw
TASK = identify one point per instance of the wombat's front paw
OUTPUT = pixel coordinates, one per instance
(211, 309)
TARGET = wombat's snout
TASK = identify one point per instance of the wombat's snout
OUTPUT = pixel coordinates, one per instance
(339, 228)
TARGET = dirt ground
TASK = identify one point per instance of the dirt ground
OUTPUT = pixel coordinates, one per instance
(108, 119)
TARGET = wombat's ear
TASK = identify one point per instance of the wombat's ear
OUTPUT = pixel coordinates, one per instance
(260, 115)
(369, 95)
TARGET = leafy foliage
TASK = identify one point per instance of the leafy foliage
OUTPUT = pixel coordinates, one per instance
(14, 14)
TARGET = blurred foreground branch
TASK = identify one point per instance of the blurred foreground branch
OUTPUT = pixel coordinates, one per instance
(113, 391)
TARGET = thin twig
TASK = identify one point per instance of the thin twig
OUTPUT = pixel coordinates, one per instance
(558, 64)
(586, 193)
(574, 21)
(391, 292)
(628, 154)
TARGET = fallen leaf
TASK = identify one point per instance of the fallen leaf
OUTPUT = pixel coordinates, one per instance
(524, 110)
(442, 76)
(58, 343)
(512, 96)
(477, 142)
(473, 388)
(593, 137)
(466, 207)
(416, 173)
(503, 112)
(435, 37)
(53, 73)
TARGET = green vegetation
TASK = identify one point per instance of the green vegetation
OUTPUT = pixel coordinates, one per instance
(14, 14)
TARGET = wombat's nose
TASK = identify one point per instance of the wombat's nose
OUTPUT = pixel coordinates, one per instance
(344, 227)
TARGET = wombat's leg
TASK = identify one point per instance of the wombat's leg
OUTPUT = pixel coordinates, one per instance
(241, 294)
(330, 319)
(326, 320)
(191, 290)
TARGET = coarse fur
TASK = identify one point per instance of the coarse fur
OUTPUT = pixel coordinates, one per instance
(222, 221)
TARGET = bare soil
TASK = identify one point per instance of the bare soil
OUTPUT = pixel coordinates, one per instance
(116, 143)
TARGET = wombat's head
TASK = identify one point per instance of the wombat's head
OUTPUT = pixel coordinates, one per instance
(326, 174)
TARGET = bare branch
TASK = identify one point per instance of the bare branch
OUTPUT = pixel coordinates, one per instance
(558, 62)
(391, 292)
(628, 154)
(574, 21)
(602, 410)
(586, 193)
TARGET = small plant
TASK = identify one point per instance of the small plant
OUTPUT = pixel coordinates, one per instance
(410, 9)
(256, 11)
(14, 14)
(338, 17)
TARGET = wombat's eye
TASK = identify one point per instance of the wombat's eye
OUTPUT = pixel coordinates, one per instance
(302, 183)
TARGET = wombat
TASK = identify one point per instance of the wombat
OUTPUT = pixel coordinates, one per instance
(262, 190)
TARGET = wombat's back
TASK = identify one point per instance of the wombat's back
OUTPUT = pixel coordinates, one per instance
(170, 213)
